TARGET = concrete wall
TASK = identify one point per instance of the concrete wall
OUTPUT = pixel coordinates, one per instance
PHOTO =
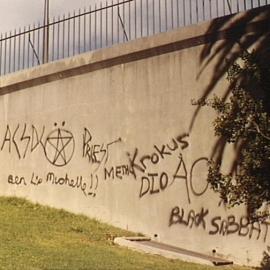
(107, 134)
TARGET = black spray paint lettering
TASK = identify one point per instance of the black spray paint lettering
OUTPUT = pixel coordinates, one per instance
(160, 153)
(194, 190)
(20, 140)
(36, 138)
(116, 172)
(244, 228)
(91, 151)
(230, 225)
(133, 163)
(36, 180)
(10, 139)
(76, 183)
(26, 138)
(96, 153)
(182, 174)
(16, 180)
(154, 183)
(14, 141)
(94, 185)
(59, 146)
(7, 138)
(188, 218)
(181, 139)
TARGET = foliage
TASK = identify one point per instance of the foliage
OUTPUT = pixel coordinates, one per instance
(243, 120)
(265, 264)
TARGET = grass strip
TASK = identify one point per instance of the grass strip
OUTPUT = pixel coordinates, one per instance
(35, 237)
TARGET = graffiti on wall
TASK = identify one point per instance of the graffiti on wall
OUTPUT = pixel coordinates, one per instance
(96, 153)
(116, 172)
(153, 183)
(188, 173)
(58, 145)
(87, 186)
(218, 225)
(141, 163)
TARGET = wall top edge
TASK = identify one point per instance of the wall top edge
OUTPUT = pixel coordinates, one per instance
(145, 47)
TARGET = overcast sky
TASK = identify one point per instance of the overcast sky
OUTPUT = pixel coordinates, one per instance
(19, 13)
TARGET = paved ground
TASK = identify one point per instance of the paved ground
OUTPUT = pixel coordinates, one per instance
(144, 244)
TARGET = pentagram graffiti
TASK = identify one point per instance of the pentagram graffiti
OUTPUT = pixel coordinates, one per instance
(59, 146)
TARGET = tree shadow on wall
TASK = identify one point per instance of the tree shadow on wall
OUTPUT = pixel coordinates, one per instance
(235, 34)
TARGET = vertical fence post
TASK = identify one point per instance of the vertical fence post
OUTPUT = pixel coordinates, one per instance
(63, 37)
(58, 38)
(106, 26)
(129, 20)
(28, 47)
(74, 31)
(153, 16)
(177, 13)
(95, 25)
(166, 15)
(9, 52)
(147, 18)
(69, 35)
(110, 37)
(84, 31)
(172, 14)
(90, 28)
(79, 31)
(197, 11)
(245, 5)
(38, 42)
(46, 22)
(14, 52)
(117, 18)
(53, 33)
(135, 19)
(100, 26)
(141, 12)
(5, 53)
(23, 49)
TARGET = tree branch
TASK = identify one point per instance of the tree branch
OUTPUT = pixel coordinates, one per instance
(259, 131)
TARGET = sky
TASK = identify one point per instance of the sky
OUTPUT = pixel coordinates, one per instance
(19, 13)
(133, 20)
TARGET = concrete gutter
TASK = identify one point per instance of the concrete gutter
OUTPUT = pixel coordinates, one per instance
(146, 245)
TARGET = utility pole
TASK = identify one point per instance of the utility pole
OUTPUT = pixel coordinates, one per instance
(46, 32)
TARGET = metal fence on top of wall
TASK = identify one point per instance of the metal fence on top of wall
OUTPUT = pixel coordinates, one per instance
(106, 24)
